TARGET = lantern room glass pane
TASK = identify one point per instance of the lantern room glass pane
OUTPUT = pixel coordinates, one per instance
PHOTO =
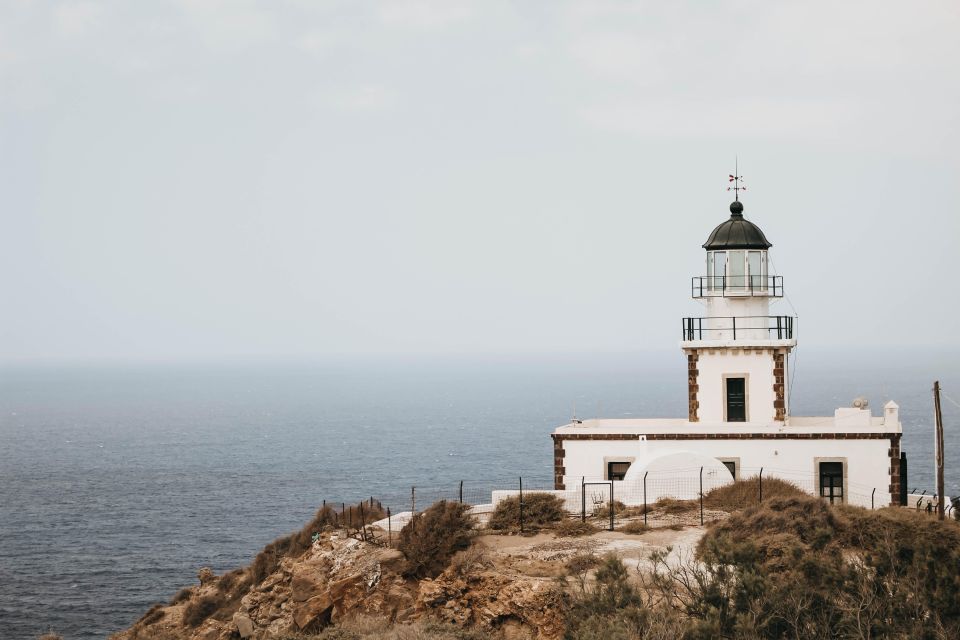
(754, 270)
(736, 270)
(719, 269)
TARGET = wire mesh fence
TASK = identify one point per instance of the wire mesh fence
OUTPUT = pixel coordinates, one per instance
(678, 497)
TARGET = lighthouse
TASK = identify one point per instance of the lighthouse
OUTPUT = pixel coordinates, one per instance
(738, 423)
(737, 352)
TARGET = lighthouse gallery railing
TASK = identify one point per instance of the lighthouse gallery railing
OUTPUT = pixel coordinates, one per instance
(721, 328)
(736, 286)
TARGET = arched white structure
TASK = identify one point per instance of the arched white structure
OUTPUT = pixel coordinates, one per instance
(674, 475)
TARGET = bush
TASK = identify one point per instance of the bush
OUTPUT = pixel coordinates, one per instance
(430, 539)
(602, 510)
(611, 609)
(673, 506)
(470, 561)
(572, 528)
(153, 614)
(539, 509)
(198, 611)
(183, 594)
(634, 527)
(746, 493)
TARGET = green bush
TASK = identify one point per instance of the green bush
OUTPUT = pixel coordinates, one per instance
(430, 539)
(539, 509)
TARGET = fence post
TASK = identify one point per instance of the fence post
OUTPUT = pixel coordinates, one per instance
(363, 524)
(871, 497)
(611, 505)
(461, 492)
(413, 500)
(521, 504)
(583, 498)
(701, 496)
(645, 497)
(761, 484)
(343, 514)
(389, 529)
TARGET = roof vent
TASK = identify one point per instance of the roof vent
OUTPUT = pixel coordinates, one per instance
(860, 403)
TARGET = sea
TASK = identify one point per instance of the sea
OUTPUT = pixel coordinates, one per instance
(119, 481)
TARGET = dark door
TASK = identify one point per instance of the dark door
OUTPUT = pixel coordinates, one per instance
(736, 400)
(831, 481)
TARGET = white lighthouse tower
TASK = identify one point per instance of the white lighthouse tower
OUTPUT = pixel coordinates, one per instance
(739, 418)
(737, 352)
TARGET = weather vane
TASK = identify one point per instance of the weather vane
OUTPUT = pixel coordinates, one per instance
(736, 179)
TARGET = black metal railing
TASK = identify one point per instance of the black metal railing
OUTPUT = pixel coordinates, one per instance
(735, 286)
(748, 327)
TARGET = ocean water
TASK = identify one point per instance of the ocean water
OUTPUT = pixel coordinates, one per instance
(117, 483)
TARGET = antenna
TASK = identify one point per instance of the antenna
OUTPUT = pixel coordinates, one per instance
(736, 179)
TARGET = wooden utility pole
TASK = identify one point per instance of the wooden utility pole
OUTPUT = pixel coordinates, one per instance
(939, 422)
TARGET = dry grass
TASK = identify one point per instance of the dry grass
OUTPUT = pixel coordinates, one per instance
(199, 610)
(379, 628)
(746, 493)
(539, 509)
(50, 635)
(154, 614)
(572, 528)
(183, 594)
(352, 516)
(634, 527)
(470, 561)
(672, 506)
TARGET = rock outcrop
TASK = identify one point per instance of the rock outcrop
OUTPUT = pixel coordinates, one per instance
(340, 577)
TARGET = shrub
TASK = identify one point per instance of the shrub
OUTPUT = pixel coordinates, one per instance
(634, 527)
(571, 528)
(470, 560)
(228, 581)
(294, 545)
(610, 609)
(746, 493)
(539, 509)
(198, 611)
(50, 635)
(430, 539)
(153, 614)
(673, 506)
(602, 510)
(183, 594)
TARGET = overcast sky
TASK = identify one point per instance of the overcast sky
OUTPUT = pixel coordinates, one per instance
(184, 180)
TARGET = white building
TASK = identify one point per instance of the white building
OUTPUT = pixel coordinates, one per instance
(739, 420)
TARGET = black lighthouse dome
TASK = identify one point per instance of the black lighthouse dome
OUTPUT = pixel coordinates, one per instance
(736, 233)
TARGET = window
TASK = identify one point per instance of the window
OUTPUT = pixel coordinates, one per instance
(755, 272)
(736, 270)
(831, 481)
(718, 269)
(736, 400)
(732, 468)
(617, 470)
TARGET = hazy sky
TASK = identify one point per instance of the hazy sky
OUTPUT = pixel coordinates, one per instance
(292, 178)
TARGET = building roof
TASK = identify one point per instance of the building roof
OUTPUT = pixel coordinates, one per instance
(736, 233)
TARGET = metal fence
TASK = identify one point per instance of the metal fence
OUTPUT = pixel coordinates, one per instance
(691, 496)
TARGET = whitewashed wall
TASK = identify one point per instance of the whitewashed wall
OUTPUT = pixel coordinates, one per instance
(756, 367)
(867, 463)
